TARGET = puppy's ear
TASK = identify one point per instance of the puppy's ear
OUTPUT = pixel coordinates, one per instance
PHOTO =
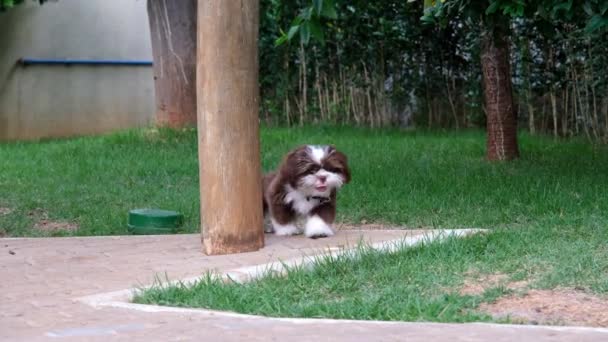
(345, 170)
(293, 163)
(347, 176)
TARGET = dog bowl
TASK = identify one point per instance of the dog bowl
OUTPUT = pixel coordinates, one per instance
(154, 221)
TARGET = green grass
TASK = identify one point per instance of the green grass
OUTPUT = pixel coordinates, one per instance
(406, 285)
(548, 212)
(413, 284)
(418, 179)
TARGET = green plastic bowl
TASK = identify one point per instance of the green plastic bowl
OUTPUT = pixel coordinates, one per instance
(154, 221)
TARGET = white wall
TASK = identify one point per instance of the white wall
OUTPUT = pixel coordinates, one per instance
(50, 101)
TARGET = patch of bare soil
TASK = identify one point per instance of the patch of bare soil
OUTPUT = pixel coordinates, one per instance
(4, 211)
(44, 224)
(38, 212)
(54, 226)
(553, 307)
(475, 285)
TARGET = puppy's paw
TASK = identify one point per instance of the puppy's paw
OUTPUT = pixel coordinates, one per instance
(317, 228)
(268, 228)
(285, 230)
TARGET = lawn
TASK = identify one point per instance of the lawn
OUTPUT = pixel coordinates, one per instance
(416, 179)
(548, 212)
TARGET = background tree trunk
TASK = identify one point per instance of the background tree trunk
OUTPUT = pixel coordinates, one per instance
(501, 123)
(228, 126)
(173, 34)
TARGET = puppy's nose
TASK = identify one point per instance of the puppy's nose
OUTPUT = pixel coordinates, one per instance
(322, 179)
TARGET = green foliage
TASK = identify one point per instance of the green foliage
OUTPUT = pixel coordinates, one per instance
(8, 4)
(597, 10)
(367, 44)
(309, 23)
(493, 11)
(433, 70)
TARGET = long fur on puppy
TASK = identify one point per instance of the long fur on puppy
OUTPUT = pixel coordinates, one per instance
(305, 186)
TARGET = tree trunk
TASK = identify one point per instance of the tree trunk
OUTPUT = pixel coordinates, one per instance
(554, 111)
(526, 61)
(304, 85)
(173, 33)
(531, 123)
(228, 127)
(498, 97)
(565, 115)
(605, 111)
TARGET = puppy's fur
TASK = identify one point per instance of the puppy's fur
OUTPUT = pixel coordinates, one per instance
(305, 186)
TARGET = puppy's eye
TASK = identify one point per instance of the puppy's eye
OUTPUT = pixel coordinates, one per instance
(314, 168)
(333, 169)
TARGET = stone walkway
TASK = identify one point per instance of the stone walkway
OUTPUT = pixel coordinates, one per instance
(43, 281)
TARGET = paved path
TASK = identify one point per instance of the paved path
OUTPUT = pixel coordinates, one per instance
(41, 279)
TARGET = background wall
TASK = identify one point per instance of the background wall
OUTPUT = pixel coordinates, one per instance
(51, 101)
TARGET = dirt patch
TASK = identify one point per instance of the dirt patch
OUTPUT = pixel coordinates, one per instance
(475, 285)
(38, 212)
(55, 226)
(4, 211)
(44, 224)
(554, 307)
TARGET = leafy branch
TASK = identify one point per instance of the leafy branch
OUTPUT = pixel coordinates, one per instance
(309, 22)
(8, 4)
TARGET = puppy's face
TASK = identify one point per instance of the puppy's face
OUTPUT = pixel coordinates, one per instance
(316, 170)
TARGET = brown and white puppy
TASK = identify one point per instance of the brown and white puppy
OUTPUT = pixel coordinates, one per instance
(305, 186)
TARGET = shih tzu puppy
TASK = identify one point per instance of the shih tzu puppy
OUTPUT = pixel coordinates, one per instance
(305, 187)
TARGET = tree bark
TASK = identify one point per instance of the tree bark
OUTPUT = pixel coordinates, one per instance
(228, 127)
(554, 111)
(531, 124)
(501, 118)
(173, 34)
(526, 61)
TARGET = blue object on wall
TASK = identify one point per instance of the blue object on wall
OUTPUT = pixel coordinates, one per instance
(109, 62)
